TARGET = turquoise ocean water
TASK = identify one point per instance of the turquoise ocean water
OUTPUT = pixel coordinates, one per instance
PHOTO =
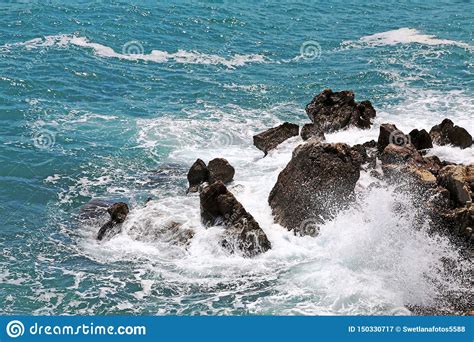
(115, 100)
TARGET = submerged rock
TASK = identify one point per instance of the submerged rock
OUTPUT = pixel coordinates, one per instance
(273, 137)
(318, 181)
(94, 209)
(197, 174)
(420, 139)
(220, 207)
(337, 110)
(118, 213)
(312, 130)
(446, 133)
(160, 228)
(220, 170)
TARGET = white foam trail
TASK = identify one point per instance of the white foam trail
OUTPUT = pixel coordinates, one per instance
(156, 56)
(404, 35)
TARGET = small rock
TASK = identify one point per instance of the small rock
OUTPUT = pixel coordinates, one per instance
(312, 130)
(197, 174)
(420, 139)
(220, 170)
(337, 110)
(390, 134)
(446, 133)
(273, 137)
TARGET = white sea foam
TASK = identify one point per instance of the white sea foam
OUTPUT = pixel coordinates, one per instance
(156, 56)
(404, 36)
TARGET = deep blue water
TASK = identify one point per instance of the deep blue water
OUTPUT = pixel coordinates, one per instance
(84, 116)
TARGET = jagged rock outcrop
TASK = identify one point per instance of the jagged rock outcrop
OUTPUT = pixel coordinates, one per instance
(336, 110)
(312, 130)
(118, 213)
(319, 179)
(459, 180)
(368, 152)
(444, 189)
(242, 233)
(446, 133)
(273, 137)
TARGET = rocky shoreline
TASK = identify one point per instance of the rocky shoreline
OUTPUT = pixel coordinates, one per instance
(320, 181)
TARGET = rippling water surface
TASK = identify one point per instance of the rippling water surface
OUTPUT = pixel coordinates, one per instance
(116, 100)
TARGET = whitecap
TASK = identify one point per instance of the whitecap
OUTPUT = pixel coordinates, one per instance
(403, 35)
(156, 56)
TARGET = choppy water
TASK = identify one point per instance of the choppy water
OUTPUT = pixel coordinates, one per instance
(94, 98)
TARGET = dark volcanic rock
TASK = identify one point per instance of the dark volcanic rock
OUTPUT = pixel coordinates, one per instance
(446, 133)
(272, 137)
(312, 130)
(220, 207)
(390, 134)
(198, 174)
(220, 170)
(420, 139)
(118, 213)
(319, 180)
(336, 110)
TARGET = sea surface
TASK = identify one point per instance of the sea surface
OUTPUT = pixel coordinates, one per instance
(114, 100)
